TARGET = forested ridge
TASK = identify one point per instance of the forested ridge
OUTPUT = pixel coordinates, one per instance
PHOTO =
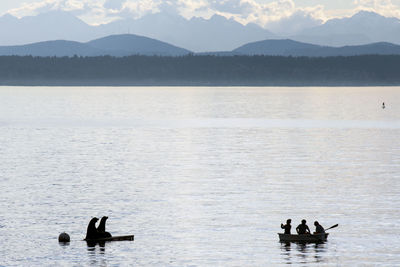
(366, 70)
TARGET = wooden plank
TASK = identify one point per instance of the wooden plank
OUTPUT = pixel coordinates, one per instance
(114, 238)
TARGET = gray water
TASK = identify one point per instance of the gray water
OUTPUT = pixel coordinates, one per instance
(200, 176)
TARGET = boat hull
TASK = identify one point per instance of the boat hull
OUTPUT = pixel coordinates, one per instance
(306, 238)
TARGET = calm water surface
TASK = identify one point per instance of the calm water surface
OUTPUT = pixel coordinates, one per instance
(201, 176)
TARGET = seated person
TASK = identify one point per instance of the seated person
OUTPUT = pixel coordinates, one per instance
(287, 227)
(318, 228)
(303, 228)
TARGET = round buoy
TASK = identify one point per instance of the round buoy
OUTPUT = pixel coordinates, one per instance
(64, 238)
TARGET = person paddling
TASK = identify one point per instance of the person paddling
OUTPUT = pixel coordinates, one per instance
(287, 226)
(303, 228)
(318, 228)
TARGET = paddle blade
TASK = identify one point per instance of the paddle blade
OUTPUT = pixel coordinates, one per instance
(333, 226)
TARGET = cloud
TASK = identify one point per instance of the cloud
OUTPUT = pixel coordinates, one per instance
(27, 9)
(388, 8)
(246, 11)
(34, 8)
(91, 11)
(114, 4)
(136, 9)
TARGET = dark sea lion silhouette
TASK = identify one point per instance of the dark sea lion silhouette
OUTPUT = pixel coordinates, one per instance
(101, 229)
(92, 232)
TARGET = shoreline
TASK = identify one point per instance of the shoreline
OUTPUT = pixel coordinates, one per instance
(282, 85)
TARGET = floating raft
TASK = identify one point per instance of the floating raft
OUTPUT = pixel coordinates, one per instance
(306, 238)
(113, 238)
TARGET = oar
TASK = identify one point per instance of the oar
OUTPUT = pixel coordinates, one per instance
(333, 226)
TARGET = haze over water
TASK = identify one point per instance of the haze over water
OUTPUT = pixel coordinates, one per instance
(202, 176)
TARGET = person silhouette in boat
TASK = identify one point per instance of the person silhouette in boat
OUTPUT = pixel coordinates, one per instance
(318, 228)
(287, 226)
(303, 228)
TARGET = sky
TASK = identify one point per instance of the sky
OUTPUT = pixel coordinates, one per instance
(263, 12)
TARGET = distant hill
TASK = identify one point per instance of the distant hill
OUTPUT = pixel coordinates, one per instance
(293, 48)
(51, 48)
(116, 45)
(274, 48)
(130, 44)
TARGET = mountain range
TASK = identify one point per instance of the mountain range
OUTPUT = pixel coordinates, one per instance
(196, 34)
(362, 28)
(130, 44)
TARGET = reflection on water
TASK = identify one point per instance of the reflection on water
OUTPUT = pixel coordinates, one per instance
(92, 244)
(64, 244)
(303, 253)
(97, 253)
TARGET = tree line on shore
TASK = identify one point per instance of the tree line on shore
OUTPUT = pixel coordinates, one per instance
(368, 70)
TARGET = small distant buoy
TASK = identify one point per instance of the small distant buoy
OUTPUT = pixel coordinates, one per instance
(64, 238)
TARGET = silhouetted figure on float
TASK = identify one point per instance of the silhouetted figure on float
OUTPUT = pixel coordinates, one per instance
(101, 229)
(91, 232)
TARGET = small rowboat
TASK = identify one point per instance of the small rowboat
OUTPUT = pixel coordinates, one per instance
(306, 238)
(113, 238)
